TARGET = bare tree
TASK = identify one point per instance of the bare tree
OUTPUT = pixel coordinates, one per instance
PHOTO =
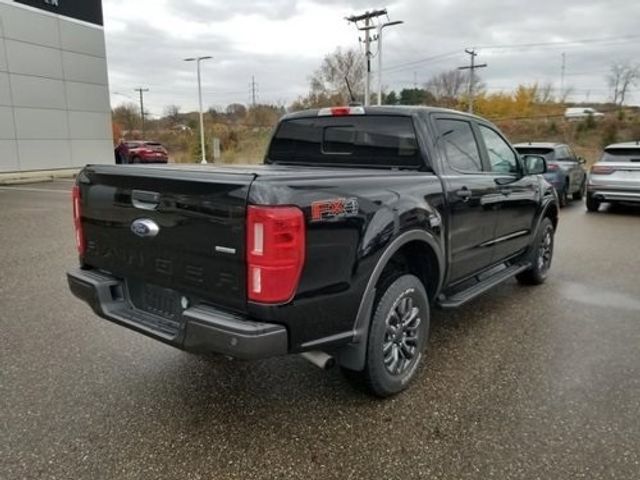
(127, 115)
(621, 77)
(172, 113)
(448, 86)
(545, 93)
(329, 80)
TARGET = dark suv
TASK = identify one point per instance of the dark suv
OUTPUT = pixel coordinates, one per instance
(565, 170)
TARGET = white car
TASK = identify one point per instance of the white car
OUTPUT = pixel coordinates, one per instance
(616, 177)
(580, 113)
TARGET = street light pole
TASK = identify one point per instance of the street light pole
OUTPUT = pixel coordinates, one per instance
(202, 144)
(383, 25)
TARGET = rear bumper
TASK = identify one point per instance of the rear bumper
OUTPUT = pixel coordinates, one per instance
(608, 194)
(200, 329)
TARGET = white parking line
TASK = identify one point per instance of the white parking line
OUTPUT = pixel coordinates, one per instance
(26, 189)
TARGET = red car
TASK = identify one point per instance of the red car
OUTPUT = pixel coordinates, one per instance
(141, 151)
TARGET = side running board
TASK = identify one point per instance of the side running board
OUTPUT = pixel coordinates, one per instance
(481, 287)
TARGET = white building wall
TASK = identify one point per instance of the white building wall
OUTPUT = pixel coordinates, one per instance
(54, 94)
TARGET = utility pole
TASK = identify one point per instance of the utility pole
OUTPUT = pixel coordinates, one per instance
(472, 70)
(142, 92)
(563, 71)
(198, 60)
(253, 91)
(367, 17)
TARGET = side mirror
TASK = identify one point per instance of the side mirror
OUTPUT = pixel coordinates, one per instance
(581, 161)
(534, 164)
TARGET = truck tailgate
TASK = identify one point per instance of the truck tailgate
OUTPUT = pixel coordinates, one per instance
(198, 249)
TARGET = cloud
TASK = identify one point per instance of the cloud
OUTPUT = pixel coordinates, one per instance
(281, 42)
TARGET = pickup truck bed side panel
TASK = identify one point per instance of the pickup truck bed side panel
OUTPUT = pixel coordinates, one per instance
(342, 252)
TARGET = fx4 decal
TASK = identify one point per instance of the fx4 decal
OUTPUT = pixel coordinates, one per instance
(333, 209)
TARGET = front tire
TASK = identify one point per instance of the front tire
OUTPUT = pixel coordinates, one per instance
(593, 205)
(542, 256)
(397, 337)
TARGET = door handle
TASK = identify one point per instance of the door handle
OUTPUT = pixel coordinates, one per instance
(464, 193)
(145, 200)
(506, 191)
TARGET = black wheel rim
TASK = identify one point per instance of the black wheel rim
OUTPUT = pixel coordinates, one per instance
(400, 345)
(545, 251)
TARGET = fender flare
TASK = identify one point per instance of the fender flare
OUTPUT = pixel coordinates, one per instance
(353, 356)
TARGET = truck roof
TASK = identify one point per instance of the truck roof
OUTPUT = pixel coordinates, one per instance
(538, 144)
(616, 146)
(407, 110)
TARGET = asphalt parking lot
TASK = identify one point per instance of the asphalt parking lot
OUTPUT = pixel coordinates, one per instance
(524, 383)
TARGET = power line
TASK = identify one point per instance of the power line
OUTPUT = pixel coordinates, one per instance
(472, 69)
(431, 59)
(579, 42)
(624, 38)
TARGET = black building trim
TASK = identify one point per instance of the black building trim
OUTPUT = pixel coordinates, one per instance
(86, 10)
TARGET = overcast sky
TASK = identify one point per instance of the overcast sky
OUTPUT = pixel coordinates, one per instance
(281, 42)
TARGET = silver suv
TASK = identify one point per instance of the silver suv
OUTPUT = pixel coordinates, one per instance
(616, 177)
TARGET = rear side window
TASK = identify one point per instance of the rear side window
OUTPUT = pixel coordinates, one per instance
(621, 155)
(384, 141)
(564, 153)
(460, 145)
(545, 152)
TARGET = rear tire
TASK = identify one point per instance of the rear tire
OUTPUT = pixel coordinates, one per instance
(541, 257)
(397, 338)
(563, 197)
(593, 205)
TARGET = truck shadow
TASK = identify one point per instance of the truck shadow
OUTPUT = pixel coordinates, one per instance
(238, 393)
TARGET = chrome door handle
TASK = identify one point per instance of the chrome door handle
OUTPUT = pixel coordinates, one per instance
(464, 193)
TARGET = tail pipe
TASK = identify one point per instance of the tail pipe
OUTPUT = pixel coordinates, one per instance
(319, 359)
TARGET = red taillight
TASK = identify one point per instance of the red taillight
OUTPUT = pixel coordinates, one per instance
(275, 253)
(602, 169)
(552, 167)
(77, 220)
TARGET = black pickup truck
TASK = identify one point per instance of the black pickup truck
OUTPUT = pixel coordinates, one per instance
(358, 223)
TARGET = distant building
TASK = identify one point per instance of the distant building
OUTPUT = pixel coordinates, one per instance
(54, 94)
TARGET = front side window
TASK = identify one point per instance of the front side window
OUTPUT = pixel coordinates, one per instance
(460, 145)
(501, 158)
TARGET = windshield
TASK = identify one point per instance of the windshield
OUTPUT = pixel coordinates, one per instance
(621, 155)
(374, 141)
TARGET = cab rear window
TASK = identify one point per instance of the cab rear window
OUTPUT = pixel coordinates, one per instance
(363, 141)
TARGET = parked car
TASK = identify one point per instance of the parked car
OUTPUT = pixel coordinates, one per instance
(565, 170)
(141, 151)
(616, 177)
(360, 220)
(580, 113)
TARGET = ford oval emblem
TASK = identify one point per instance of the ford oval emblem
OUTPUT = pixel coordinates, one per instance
(145, 228)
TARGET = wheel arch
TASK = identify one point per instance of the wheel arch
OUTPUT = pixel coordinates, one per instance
(408, 245)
